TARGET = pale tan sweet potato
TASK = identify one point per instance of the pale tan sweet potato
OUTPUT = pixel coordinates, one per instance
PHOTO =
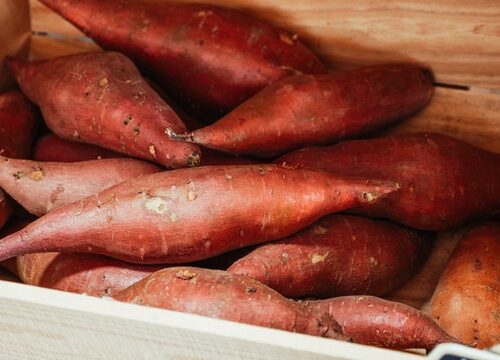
(466, 302)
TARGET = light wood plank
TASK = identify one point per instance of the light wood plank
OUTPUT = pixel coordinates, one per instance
(460, 40)
(467, 115)
(14, 34)
(44, 47)
(40, 323)
(418, 291)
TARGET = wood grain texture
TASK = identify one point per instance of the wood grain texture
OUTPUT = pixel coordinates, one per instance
(418, 291)
(45, 324)
(471, 116)
(460, 40)
(14, 34)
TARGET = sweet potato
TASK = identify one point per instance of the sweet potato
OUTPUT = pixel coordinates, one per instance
(338, 255)
(306, 110)
(466, 302)
(444, 182)
(41, 187)
(89, 274)
(222, 295)
(211, 58)
(53, 148)
(192, 214)
(373, 321)
(101, 99)
(18, 125)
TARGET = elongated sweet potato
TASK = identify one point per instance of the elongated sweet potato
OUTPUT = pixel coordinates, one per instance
(338, 255)
(101, 99)
(209, 57)
(222, 295)
(444, 182)
(18, 125)
(89, 274)
(53, 148)
(373, 321)
(192, 214)
(306, 110)
(41, 187)
(466, 302)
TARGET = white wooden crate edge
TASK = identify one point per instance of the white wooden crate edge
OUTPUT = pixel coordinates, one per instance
(42, 323)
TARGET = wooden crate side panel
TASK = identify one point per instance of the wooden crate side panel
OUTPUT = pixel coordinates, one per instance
(459, 39)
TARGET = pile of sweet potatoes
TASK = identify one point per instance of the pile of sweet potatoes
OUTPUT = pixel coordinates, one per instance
(205, 231)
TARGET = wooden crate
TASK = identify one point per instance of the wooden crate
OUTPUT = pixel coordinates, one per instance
(460, 40)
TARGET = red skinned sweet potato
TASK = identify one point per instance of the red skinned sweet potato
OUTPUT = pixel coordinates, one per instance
(466, 302)
(53, 148)
(90, 274)
(18, 125)
(41, 187)
(101, 99)
(305, 110)
(222, 295)
(444, 182)
(210, 57)
(373, 321)
(338, 255)
(193, 214)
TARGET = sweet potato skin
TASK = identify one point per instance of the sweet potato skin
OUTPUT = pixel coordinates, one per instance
(305, 110)
(466, 302)
(54, 149)
(101, 99)
(89, 274)
(444, 181)
(374, 321)
(18, 125)
(192, 214)
(338, 255)
(211, 57)
(222, 295)
(41, 187)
